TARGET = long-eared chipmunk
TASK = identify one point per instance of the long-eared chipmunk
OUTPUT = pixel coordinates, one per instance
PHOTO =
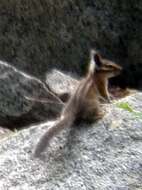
(84, 103)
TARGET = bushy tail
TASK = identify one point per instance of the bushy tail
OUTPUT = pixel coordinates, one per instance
(92, 63)
(51, 132)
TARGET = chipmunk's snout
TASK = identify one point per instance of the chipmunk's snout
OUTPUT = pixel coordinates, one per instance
(116, 73)
(119, 70)
(112, 69)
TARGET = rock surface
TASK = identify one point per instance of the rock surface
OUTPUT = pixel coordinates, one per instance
(17, 91)
(37, 35)
(102, 156)
(63, 82)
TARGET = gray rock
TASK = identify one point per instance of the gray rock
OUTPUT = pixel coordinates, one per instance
(19, 95)
(63, 82)
(106, 155)
(36, 36)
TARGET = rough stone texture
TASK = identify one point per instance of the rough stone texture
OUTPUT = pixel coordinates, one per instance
(63, 82)
(37, 35)
(103, 156)
(16, 109)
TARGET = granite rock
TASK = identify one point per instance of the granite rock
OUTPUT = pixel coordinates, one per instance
(42, 34)
(101, 156)
(20, 96)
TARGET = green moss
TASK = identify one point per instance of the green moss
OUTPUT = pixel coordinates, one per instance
(125, 106)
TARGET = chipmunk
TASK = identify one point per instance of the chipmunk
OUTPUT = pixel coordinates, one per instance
(105, 69)
(84, 103)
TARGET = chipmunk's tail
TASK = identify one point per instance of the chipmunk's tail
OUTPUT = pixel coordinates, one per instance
(92, 63)
(64, 122)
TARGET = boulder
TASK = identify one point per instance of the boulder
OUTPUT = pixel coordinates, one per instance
(103, 155)
(20, 96)
(63, 82)
(38, 35)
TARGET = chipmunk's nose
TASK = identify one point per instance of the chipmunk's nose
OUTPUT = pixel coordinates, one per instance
(121, 68)
(118, 70)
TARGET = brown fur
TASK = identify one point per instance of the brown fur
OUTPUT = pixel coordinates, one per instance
(105, 69)
(84, 103)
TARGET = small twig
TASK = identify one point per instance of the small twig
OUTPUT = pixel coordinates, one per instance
(42, 100)
(54, 94)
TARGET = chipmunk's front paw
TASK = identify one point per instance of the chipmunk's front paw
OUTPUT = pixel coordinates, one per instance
(100, 115)
(110, 98)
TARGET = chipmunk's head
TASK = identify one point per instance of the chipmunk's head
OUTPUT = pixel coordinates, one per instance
(106, 67)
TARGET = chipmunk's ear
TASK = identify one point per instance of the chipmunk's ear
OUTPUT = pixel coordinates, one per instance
(97, 59)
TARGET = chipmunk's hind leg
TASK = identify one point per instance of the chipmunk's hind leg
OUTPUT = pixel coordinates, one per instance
(93, 112)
